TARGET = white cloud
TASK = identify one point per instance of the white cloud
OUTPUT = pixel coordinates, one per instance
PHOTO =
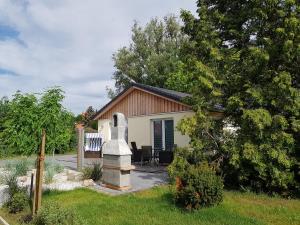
(70, 43)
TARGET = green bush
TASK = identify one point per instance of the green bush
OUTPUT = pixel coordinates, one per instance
(18, 202)
(94, 172)
(52, 168)
(183, 158)
(58, 168)
(21, 167)
(18, 199)
(50, 163)
(177, 167)
(87, 173)
(49, 174)
(198, 186)
(11, 181)
(51, 214)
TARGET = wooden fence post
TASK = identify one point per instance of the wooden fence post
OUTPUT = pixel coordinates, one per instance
(37, 200)
(80, 148)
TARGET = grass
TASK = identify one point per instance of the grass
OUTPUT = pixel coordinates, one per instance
(155, 206)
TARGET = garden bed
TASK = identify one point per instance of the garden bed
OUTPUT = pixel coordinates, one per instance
(56, 177)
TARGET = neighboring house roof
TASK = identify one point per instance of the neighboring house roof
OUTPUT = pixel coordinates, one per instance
(175, 96)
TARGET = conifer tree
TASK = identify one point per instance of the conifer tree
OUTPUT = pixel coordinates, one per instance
(252, 48)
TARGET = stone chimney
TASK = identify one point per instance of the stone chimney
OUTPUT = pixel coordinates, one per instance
(117, 156)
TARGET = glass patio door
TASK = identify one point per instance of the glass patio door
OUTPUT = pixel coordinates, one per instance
(169, 135)
(163, 134)
(157, 134)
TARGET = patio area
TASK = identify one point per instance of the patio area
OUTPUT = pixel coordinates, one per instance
(142, 177)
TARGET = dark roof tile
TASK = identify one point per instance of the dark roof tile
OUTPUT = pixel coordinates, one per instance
(175, 95)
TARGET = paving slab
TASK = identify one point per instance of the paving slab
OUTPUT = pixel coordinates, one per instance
(139, 181)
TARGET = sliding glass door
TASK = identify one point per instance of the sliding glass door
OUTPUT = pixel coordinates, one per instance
(163, 134)
(169, 134)
(157, 134)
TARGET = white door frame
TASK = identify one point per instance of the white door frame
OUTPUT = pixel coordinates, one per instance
(163, 130)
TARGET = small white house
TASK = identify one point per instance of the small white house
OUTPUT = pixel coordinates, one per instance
(152, 115)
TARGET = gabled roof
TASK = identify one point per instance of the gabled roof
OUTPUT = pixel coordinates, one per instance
(165, 93)
(175, 95)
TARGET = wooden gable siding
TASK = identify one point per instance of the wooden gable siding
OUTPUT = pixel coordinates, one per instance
(138, 103)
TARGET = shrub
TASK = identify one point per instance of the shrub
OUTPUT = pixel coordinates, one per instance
(198, 186)
(49, 174)
(51, 168)
(17, 195)
(94, 172)
(11, 181)
(18, 202)
(183, 158)
(87, 173)
(53, 165)
(58, 168)
(21, 167)
(51, 213)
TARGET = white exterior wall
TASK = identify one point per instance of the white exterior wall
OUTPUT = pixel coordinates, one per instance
(140, 128)
(104, 129)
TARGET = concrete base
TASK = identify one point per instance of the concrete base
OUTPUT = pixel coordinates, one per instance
(116, 177)
(117, 161)
(116, 171)
(124, 188)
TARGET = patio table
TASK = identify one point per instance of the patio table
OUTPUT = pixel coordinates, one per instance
(156, 152)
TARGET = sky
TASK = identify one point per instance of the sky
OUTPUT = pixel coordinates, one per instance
(69, 43)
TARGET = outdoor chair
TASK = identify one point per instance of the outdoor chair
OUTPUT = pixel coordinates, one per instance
(133, 145)
(146, 154)
(136, 153)
(166, 157)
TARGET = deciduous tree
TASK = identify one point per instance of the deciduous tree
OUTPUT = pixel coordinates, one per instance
(152, 56)
(28, 115)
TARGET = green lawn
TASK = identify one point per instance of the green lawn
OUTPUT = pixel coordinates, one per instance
(155, 207)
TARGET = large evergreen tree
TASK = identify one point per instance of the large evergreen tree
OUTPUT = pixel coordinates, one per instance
(253, 48)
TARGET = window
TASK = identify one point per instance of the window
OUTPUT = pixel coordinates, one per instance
(163, 134)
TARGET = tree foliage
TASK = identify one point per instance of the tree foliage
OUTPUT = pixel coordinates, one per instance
(86, 118)
(3, 111)
(152, 56)
(248, 57)
(28, 115)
